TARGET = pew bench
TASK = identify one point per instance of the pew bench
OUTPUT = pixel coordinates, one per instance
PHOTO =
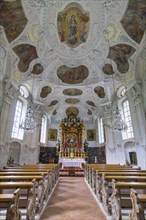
(138, 205)
(20, 178)
(97, 181)
(16, 173)
(92, 176)
(9, 203)
(91, 170)
(120, 198)
(106, 189)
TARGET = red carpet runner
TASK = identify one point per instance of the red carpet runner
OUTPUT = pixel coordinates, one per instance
(72, 200)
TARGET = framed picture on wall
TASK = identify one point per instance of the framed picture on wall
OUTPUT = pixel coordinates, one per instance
(52, 135)
(91, 135)
(133, 157)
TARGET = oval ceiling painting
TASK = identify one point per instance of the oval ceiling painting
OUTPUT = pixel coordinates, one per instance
(108, 69)
(45, 91)
(37, 69)
(54, 112)
(72, 101)
(91, 103)
(73, 25)
(72, 75)
(72, 110)
(72, 92)
(99, 91)
(89, 112)
(54, 102)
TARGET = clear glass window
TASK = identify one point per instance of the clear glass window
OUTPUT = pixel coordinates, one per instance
(100, 130)
(127, 118)
(17, 119)
(43, 130)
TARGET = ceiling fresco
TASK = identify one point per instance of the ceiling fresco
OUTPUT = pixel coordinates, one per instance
(99, 91)
(12, 18)
(73, 25)
(89, 112)
(72, 75)
(54, 102)
(72, 101)
(72, 92)
(37, 69)
(134, 20)
(26, 54)
(54, 112)
(120, 54)
(91, 103)
(108, 69)
(46, 90)
(74, 50)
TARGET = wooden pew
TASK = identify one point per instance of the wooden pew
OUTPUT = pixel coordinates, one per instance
(45, 175)
(29, 201)
(97, 182)
(106, 190)
(93, 173)
(121, 196)
(92, 168)
(16, 173)
(20, 178)
(11, 201)
(15, 185)
(138, 201)
(46, 167)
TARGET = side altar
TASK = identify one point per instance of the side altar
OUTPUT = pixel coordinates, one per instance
(72, 143)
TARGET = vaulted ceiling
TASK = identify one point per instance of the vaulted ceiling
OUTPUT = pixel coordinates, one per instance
(68, 53)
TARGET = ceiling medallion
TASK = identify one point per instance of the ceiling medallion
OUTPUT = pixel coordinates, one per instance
(72, 101)
(73, 25)
(72, 92)
(72, 75)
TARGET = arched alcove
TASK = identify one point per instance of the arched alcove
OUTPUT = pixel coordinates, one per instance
(14, 151)
(130, 153)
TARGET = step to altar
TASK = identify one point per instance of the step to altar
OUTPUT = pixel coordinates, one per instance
(71, 171)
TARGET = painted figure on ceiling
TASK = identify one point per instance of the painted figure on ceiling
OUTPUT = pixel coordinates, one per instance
(72, 30)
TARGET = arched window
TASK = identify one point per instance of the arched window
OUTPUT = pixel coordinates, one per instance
(20, 111)
(43, 130)
(127, 118)
(16, 131)
(100, 130)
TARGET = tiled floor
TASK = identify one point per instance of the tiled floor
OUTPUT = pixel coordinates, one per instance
(72, 200)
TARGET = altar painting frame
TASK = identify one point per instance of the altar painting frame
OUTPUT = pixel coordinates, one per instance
(52, 135)
(91, 135)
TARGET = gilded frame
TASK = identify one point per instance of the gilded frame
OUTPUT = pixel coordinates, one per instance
(91, 135)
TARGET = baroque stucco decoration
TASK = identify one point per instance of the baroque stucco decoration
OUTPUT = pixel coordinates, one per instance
(108, 51)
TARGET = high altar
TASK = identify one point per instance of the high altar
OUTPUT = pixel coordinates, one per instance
(71, 145)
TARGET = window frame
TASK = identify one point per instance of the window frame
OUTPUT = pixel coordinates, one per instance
(101, 131)
(129, 133)
(17, 132)
(43, 130)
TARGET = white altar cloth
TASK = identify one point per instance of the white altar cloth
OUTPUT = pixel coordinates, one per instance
(71, 162)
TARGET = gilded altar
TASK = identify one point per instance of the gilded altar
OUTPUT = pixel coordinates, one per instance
(71, 137)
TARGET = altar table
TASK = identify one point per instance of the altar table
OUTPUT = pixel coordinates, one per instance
(71, 162)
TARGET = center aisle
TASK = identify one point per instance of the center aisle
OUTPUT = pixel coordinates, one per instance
(72, 200)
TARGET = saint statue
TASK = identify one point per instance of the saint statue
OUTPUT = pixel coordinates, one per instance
(85, 145)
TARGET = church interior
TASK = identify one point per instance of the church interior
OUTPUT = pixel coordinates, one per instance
(72, 109)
